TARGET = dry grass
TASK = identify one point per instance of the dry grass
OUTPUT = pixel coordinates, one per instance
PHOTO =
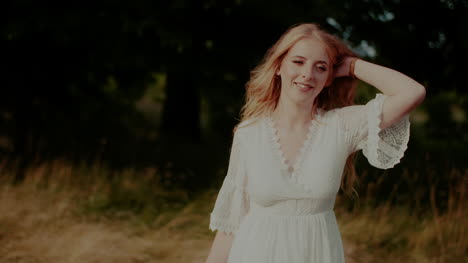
(45, 219)
(38, 226)
(398, 234)
(394, 235)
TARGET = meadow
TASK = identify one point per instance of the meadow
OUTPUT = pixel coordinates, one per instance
(88, 213)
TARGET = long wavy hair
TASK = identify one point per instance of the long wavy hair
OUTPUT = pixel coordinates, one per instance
(263, 89)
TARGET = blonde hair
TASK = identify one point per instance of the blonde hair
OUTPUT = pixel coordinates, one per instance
(264, 88)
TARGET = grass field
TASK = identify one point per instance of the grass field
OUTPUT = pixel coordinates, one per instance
(70, 214)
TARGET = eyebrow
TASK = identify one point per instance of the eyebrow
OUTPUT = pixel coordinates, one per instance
(320, 61)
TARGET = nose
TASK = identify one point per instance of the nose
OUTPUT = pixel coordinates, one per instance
(307, 73)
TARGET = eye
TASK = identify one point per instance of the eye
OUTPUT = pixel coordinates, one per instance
(322, 68)
(298, 62)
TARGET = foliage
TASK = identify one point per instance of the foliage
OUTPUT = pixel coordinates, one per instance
(75, 76)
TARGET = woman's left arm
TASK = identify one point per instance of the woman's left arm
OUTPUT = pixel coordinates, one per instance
(404, 93)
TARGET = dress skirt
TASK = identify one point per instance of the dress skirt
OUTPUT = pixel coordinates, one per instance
(271, 238)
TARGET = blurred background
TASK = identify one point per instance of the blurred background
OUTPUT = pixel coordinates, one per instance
(116, 121)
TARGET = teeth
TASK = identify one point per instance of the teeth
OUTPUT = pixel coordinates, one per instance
(302, 85)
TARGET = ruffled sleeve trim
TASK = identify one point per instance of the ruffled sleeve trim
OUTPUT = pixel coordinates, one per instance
(384, 148)
(218, 223)
(232, 202)
(231, 206)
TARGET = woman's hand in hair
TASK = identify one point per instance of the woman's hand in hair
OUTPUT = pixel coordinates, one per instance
(342, 69)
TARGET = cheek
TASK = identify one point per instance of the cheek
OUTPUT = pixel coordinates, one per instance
(290, 71)
(324, 77)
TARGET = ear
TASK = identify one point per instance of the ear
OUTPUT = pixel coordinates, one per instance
(278, 73)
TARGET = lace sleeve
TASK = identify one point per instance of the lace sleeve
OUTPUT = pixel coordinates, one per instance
(232, 202)
(382, 148)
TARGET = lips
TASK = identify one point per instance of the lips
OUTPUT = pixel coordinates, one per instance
(303, 86)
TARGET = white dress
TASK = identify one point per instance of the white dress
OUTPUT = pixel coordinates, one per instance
(279, 216)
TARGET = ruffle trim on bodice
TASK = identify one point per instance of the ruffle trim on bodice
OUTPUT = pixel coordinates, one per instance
(295, 176)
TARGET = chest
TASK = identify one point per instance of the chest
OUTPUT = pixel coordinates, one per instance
(291, 142)
(319, 159)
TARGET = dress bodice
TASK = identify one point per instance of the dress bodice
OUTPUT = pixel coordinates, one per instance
(295, 207)
(258, 179)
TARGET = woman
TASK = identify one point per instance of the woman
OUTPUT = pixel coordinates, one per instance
(298, 132)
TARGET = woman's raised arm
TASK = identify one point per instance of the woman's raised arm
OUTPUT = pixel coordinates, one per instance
(404, 93)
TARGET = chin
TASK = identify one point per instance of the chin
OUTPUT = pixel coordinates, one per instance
(301, 99)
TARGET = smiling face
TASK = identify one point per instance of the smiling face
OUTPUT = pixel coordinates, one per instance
(304, 71)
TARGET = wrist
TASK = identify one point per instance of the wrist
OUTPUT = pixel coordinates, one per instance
(351, 68)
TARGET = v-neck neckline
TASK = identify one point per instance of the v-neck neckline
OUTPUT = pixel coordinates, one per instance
(292, 169)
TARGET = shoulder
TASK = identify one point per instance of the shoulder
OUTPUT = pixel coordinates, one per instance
(361, 108)
(247, 125)
(247, 128)
(345, 112)
(347, 117)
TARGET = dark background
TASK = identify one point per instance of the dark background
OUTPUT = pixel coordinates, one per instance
(160, 83)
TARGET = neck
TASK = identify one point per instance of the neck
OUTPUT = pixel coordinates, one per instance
(292, 115)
